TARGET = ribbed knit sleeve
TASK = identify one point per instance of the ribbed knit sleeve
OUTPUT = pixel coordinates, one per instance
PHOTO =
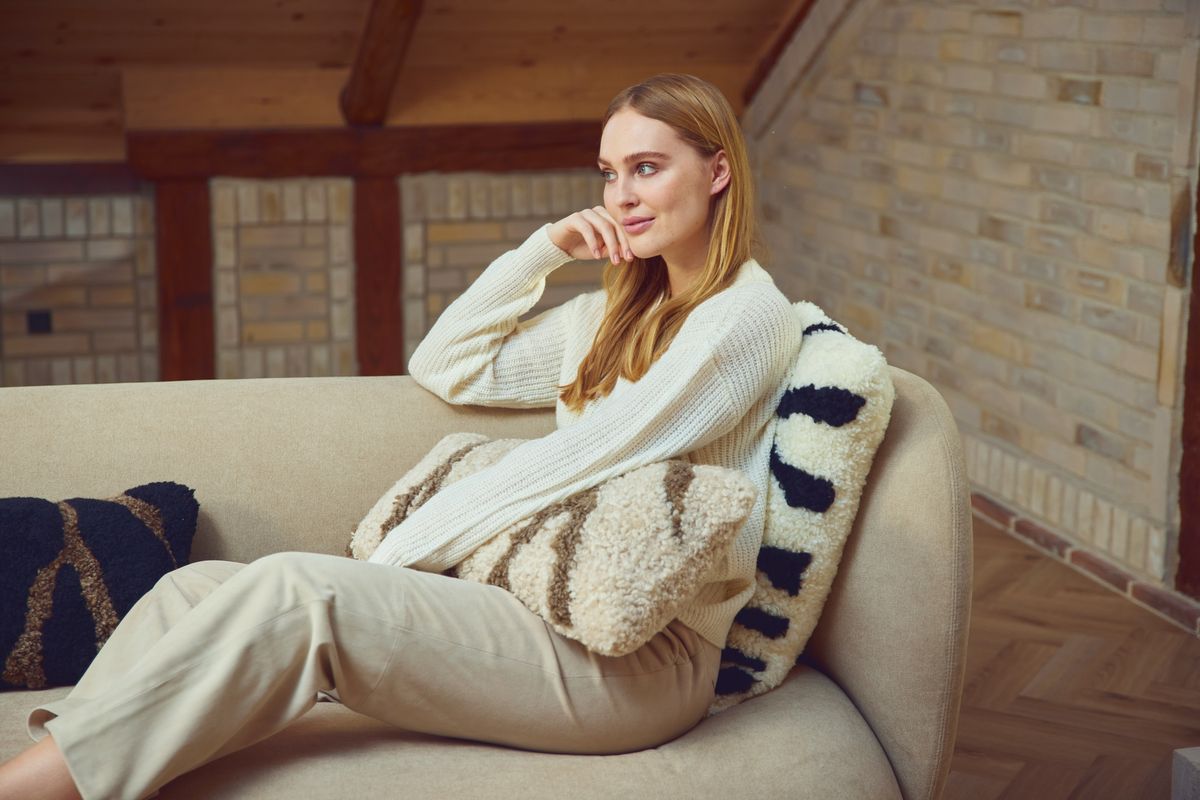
(719, 364)
(477, 353)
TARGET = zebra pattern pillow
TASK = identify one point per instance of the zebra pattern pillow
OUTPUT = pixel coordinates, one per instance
(73, 569)
(609, 566)
(830, 422)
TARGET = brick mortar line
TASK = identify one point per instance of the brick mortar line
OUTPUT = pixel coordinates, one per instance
(841, 103)
(1104, 270)
(1000, 124)
(991, 210)
(1144, 250)
(1024, 69)
(988, 210)
(1047, 101)
(1007, 127)
(1009, 527)
(1076, 139)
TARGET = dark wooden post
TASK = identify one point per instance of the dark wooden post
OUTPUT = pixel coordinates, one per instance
(183, 221)
(378, 316)
(1187, 577)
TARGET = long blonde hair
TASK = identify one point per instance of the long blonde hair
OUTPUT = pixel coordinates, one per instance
(637, 328)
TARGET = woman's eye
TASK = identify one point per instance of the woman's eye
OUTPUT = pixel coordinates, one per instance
(651, 166)
(604, 174)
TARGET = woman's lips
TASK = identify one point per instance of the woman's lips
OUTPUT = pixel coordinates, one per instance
(638, 227)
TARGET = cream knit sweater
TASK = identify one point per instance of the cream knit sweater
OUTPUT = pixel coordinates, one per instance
(710, 398)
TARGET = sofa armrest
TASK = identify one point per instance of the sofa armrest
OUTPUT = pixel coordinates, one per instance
(893, 633)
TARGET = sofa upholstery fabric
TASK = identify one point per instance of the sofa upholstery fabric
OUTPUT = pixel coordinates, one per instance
(290, 464)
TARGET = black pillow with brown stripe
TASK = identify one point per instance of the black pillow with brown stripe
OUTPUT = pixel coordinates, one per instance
(72, 569)
(609, 566)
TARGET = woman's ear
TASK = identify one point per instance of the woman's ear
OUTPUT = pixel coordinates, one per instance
(720, 173)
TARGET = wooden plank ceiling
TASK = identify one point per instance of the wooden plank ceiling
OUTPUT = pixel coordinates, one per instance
(77, 75)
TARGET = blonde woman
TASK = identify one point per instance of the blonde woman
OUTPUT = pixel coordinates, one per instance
(682, 354)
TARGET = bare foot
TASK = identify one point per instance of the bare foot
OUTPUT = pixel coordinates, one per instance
(39, 773)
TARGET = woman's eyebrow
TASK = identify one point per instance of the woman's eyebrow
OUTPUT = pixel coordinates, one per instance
(638, 156)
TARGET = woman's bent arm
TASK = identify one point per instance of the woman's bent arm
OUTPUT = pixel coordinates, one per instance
(477, 353)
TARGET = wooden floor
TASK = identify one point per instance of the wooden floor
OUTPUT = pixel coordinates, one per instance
(1071, 690)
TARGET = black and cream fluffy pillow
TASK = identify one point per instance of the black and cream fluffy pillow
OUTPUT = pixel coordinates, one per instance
(72, 569)
(609, 566)
(830, 422)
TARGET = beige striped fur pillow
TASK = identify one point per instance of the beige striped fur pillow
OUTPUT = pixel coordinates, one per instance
(609, 566)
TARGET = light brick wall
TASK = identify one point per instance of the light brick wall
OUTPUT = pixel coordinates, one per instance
(89, 263)
(455, 224)
(987, 194)
(283, 277)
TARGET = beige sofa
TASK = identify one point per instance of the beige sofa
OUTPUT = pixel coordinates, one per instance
(292, 464)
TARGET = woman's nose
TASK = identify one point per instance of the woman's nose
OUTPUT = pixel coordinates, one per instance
(624, 193)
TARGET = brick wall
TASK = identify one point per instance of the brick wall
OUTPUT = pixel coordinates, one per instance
(283, 270)
(283, 277)
(455, 224)
(78, 294)
(987, 194)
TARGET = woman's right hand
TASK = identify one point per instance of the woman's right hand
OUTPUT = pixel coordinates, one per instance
(591, 233)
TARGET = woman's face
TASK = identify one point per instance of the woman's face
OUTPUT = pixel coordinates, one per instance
(651, 174)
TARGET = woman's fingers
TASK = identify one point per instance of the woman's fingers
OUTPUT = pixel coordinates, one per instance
(623, 238)
(604, 224)
(585, 231)
(575, 235)
(591, 231)
(604, 228)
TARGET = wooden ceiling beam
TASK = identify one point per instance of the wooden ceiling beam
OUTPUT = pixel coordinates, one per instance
(168, 155)
(381, 50)
(774, 48)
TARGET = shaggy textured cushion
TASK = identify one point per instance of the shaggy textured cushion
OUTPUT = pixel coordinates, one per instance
(609, 566)
(71, 570)
(830, 422)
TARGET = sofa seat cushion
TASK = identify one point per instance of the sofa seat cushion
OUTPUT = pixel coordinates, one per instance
(803, 739)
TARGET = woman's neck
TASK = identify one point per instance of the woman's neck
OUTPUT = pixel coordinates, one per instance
(685, 263)
(680, 278)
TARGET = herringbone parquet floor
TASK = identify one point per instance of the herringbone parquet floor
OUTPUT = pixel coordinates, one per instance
(1071, 691)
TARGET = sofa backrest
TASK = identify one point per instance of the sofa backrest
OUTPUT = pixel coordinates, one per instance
(277, 463)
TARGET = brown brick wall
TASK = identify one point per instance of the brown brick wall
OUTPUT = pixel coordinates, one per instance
(87, 262)
(283, 277)
(986, 194)
(455, 224)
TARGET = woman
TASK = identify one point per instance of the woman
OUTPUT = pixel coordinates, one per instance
(682, 354)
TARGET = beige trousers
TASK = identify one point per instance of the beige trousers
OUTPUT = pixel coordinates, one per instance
(220, 655)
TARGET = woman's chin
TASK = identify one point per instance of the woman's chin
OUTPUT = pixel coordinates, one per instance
(642, 248)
